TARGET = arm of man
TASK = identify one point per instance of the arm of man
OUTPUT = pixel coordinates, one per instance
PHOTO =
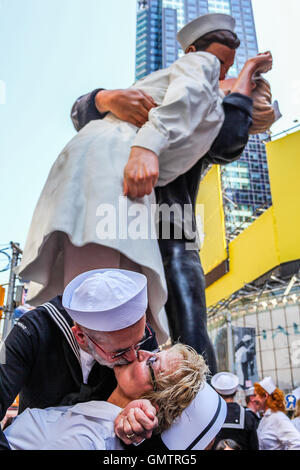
(17, 363)
(84, 110)
(230, 142)
(188, 119)
(130, 105)
(234, 133)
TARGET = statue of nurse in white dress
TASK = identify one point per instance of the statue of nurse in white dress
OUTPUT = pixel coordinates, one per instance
(94, 184)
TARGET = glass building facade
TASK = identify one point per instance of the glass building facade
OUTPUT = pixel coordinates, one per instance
(245, 183)
(148, 38)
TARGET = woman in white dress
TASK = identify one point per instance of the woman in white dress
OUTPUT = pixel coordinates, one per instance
(96, 208)
(296, 419)
(171, 379)
(275, 430)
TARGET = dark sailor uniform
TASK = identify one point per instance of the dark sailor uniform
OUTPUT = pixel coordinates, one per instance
(43, 365)
(240, 426)
(255, 415)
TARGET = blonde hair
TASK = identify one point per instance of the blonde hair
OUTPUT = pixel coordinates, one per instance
(263, 113)
(176, 391)
(275, 401)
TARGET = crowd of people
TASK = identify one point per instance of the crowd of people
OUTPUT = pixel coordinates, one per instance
(263, 423)
(112, 385)
(89, 365)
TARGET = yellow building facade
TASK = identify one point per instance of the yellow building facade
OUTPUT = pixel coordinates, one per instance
(267, 249)
(270, 241)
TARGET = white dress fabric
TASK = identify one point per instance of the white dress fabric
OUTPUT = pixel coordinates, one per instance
(85, 426)
(276, 432)
(87, 179)
(296, 423)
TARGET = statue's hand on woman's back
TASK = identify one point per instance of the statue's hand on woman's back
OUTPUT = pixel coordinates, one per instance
(130, 105)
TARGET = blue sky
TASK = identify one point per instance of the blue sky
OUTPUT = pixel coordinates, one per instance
(54, 50)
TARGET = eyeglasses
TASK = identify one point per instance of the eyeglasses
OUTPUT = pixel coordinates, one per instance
(149, 363)
(121, 353)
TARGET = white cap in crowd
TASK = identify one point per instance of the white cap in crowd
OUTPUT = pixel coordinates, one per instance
(202, 25)
(106, 299)
(199, 423)
(296, 392)
(268, 385)
(225, 383)
(249, 391)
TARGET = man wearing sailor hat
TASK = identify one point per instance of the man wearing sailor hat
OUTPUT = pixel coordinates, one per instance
(123, 303)
(108, 310)
(62, 352)
(240, 424)
(252, 407)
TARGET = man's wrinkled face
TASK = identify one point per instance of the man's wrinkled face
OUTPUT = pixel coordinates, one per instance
(104, 346)
(93, 350)
(225, 55)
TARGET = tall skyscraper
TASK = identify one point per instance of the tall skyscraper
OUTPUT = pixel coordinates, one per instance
(245, 182)
(148, 37)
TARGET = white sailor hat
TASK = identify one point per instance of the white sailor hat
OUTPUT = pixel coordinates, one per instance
(225, 383)
(202, 25)
(268, 385)
(296, 393)
(106, 299)
(199, 423)
(246, 338)
(249, 391)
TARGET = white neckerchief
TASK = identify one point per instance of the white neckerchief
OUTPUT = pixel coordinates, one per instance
(87, 362)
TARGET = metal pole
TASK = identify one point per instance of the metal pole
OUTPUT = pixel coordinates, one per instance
(16, 251)
(229, 343)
